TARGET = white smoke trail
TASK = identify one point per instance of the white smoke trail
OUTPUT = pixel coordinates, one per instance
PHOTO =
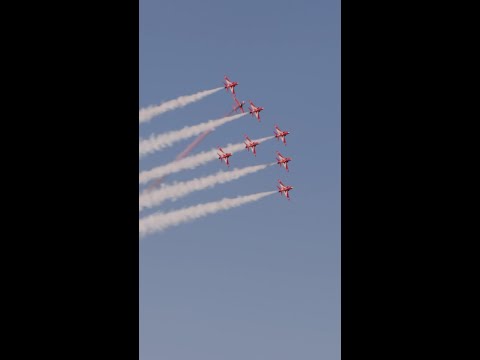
(149, 199)
(159, 142)
(190, 162)
(149, 112)
(161, 221)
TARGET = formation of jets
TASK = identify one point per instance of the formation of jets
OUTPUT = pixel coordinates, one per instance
(251, 145)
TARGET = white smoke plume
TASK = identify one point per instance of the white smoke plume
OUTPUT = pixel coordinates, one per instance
(148, 199)
(161, 221)
(146, 114)
(190, 162)
(159, 142)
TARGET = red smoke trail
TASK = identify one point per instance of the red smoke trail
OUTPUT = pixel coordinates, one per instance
(190, 147)
(183, 154)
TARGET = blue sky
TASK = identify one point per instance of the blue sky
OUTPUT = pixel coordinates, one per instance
(261, 281)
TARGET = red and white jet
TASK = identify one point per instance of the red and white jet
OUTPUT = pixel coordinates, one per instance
(284, 189)
(238, 105)
(255, 111)
(230, 85)
(224, 156)
(249, 144)
(279, 134)
(282, 160)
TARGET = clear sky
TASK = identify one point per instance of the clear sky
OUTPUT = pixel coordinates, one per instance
(261, 281)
